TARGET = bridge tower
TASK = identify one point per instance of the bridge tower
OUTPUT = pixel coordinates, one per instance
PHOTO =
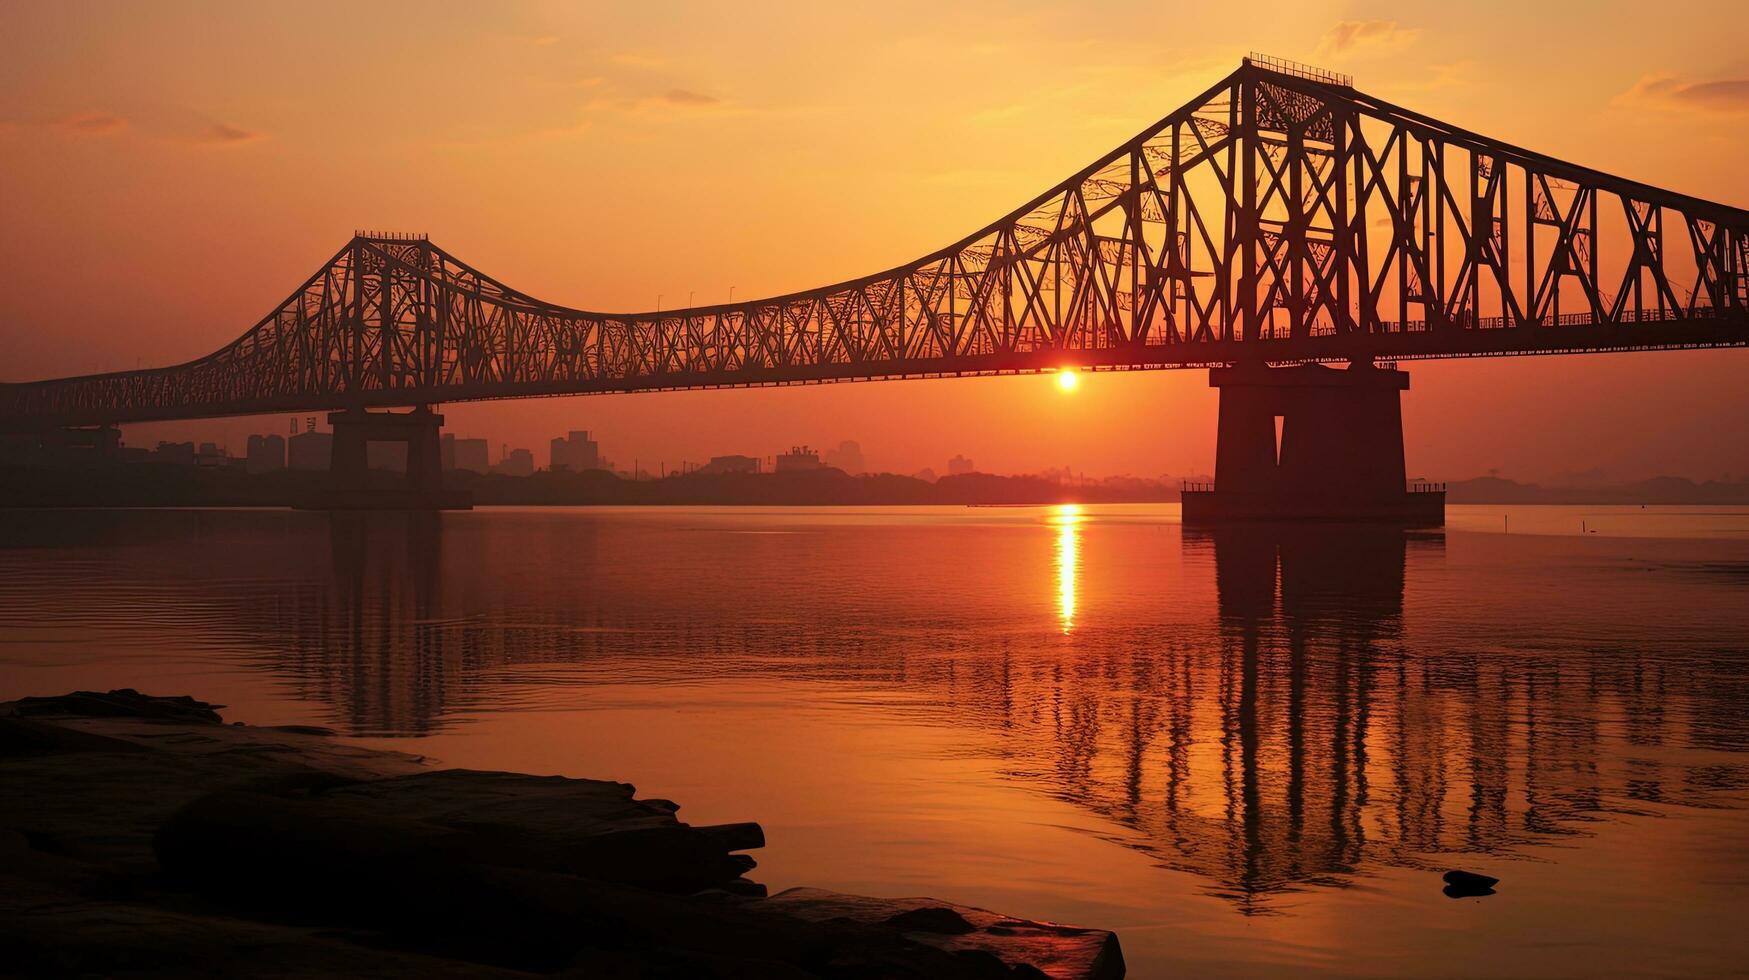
(1312, 442)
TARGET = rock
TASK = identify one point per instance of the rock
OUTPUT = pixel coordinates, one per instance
(236, 835)
(186, 846)
(1468, 884)
(302, 730)
(1047, 948)
(21, 737)
(121, 703)
(50, 931)
(734, 836)
(936, 919)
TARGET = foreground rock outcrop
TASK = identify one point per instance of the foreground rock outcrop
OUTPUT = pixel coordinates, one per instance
(144, 835)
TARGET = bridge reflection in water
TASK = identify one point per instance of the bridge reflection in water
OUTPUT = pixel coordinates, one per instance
(1270, 710)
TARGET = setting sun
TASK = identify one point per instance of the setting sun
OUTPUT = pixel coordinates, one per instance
(1068, 379)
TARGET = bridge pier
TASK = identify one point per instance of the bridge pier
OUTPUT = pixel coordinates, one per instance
(1339, 454)
(352, 486)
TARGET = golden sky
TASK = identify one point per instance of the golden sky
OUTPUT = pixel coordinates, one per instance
(173, 170)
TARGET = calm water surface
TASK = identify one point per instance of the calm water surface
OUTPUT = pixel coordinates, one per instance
(1250, 753)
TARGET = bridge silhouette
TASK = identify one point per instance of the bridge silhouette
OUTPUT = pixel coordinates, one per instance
(1281, 217)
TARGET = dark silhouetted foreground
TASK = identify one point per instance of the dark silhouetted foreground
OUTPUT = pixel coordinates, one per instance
(143, 834)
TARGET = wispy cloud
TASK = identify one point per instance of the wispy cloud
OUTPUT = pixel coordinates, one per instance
(1356, 36)
(170, 126)
(1726, 95)
(225, 133)
(681, 96)
(613, 98)
(88, 123)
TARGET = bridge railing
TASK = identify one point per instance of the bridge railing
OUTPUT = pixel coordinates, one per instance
(1299, 69)
(1424, 487)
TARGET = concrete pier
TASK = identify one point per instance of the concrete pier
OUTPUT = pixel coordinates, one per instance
(1339, 454)
(354, 487)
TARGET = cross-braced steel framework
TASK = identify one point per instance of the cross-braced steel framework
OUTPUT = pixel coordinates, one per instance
(1279, 217)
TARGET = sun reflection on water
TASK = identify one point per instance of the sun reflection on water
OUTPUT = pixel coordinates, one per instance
(1067, 518)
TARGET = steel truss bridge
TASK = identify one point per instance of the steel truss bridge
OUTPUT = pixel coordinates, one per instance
(1280, 217)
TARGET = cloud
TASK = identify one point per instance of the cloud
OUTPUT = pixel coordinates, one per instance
(167, 125)
(1353, 36)
(610, 98)
(1728, 95)
(224, 133)
(681, 96)
(88, 122)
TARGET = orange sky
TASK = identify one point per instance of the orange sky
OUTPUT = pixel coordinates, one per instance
(173, 170)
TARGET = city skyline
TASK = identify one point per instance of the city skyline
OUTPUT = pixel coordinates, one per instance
(496, 449)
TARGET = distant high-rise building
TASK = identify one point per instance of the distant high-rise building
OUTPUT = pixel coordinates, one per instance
(463, 454)
(575, 452)
(180, 453)
(959, 465)
(847, 457)
(310, 450)
(730, 464)
(798, 458)
(265, 454)
(516, 462)
(209, 454)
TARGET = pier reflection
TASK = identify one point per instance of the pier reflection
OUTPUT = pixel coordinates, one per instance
(1300, 691)
(1283, 739)
(1269, 709)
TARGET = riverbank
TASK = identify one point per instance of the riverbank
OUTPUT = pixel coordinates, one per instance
(166, 485)
(144, 834)
(100, 484)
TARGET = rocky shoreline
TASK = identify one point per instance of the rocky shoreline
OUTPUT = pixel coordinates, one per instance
(144, 835)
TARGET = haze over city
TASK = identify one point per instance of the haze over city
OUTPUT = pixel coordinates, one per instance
(170, 178)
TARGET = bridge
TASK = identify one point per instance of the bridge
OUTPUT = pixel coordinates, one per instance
(1280, 219)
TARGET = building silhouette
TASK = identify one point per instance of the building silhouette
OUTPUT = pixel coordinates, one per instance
(472, 455)
(575, 452)
(310, 450)
(959, 465)
(265, 454)
(516, 462)
(730, 464)
(847, 457)
(799, 458)
(178, 453)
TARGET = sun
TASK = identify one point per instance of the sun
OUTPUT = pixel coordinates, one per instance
(1068, 379)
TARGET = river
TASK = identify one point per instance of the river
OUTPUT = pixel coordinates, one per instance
(1248, 752)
